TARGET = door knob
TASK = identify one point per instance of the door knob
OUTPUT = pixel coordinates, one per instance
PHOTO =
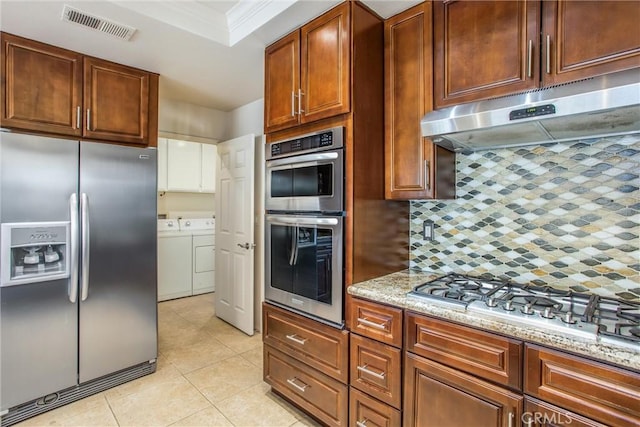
(247, 245)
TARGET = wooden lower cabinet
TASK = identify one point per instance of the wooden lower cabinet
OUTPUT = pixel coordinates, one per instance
(538, 414)
(320, 395)
(364, 411)
(319, 346)
(376, 369)
(600, 392)
(376, 321)
(438, 396)
(307, 362)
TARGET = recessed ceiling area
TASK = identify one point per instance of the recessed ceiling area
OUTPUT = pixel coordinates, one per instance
(208, 53)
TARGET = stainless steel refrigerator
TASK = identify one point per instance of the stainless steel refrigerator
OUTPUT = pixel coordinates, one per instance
(78, 304)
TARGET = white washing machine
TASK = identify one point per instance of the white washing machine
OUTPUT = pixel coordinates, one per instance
(175, 260)
(202, 252)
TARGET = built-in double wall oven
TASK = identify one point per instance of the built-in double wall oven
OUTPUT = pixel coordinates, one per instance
(304, 225)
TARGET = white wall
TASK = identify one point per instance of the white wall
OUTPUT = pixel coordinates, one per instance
(169, 201)
(246, 119)
(182, 119)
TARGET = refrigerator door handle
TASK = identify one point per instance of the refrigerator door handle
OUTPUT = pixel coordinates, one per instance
(84, 272)
(73, 242)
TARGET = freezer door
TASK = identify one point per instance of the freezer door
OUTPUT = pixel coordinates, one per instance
(118, 296)
(38, 321)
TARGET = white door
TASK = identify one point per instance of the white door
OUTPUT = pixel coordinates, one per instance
(234, 232)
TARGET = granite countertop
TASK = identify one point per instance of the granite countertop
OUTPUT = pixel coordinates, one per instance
(392, 289)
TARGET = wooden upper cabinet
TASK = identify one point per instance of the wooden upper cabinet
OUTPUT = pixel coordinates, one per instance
(50, 90)
(307, 73)
(116, 102)
(582, 39)
(41, 87)
(282, 81)
(415, 168)
(324, 73)
(484, 49)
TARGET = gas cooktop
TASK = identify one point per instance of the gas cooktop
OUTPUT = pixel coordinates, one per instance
(579, 314)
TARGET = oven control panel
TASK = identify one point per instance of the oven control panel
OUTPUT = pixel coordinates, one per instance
(318, 141)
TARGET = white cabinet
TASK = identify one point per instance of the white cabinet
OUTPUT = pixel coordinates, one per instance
(186, 166)
(183, 165)
(208, 168)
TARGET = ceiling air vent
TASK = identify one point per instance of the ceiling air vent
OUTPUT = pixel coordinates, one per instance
(97, 23)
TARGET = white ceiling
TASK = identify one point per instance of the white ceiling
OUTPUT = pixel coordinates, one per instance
(208, 52)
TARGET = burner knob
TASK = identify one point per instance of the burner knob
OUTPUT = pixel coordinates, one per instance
(547, 314)
(568, 318)
(527, 309)
(508, 305)
(491, 302)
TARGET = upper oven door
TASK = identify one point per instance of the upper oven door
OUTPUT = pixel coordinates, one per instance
(309, 182)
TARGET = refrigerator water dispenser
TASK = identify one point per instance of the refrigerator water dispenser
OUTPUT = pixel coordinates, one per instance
(34, 252)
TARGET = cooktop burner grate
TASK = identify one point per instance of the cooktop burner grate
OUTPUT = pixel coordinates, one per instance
(578, 313)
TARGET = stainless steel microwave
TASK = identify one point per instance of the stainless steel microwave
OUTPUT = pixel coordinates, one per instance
(306, 173)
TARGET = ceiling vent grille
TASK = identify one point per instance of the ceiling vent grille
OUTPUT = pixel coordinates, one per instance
(97, 23)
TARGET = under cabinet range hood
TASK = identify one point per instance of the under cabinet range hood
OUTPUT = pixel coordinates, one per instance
(601, 106)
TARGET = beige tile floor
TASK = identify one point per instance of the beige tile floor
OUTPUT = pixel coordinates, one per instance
(209, 374)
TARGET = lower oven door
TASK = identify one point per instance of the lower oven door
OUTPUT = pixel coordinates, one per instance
(304, 261)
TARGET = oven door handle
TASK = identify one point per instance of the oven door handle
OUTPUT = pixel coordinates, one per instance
(304, 160)
(285, 220)
(294, 246)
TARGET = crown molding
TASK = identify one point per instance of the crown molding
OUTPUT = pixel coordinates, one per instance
(248, 15)
(193, 16)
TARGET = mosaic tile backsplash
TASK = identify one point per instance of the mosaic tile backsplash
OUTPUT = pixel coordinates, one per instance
(565, 215)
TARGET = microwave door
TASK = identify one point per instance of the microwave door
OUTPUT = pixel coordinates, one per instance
(311, 182)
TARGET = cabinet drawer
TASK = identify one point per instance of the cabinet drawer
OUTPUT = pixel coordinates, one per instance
(365, 411)
(541, 414)
(598, 391)
(376, 369)
(320, 395)
(484, 354)
(376, 321)
(320, 346)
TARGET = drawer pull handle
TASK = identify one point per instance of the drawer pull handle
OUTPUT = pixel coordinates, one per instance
(366, 370)
(302, 387)
(296, 340)
(381, 326)
(362, 423)
(511, 417)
